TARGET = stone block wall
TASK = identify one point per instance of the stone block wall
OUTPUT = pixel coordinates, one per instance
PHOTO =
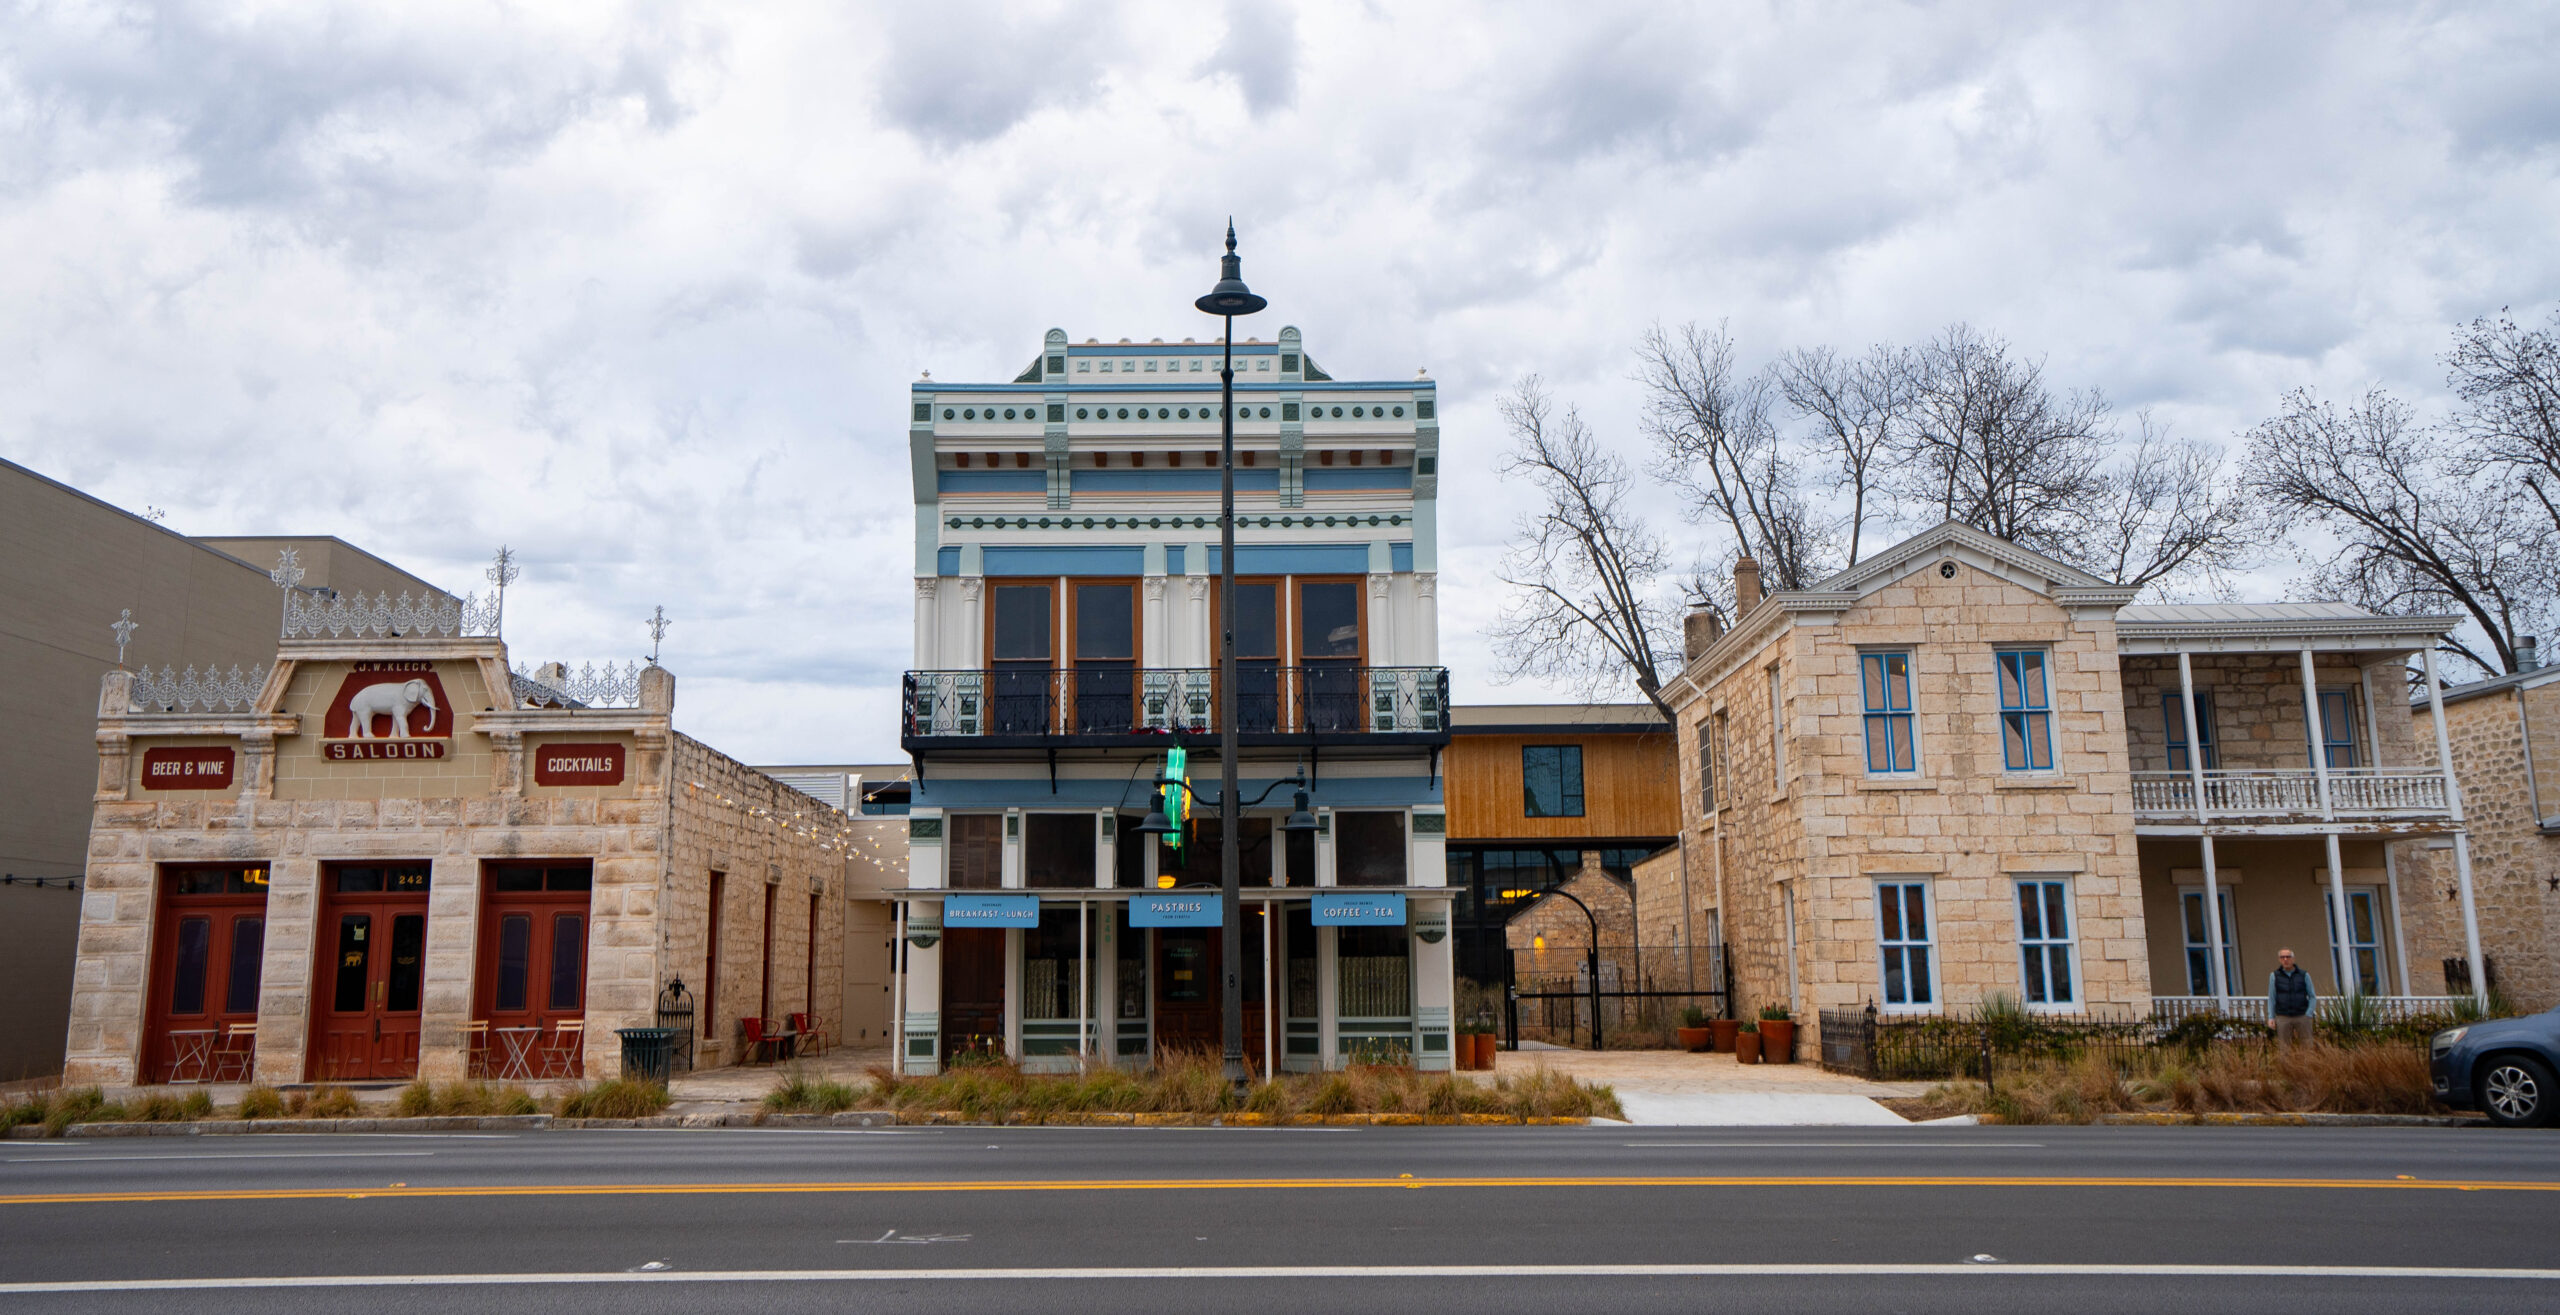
(2515, 866)
(2257, 706)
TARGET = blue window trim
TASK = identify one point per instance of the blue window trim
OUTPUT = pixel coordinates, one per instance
(2338, 728)
(2026, 710)
(1562, 764)
(2173, 714)
(2048, 945)
(1884, 693)
(1907, 970)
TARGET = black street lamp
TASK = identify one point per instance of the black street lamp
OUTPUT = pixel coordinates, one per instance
(1228, 300)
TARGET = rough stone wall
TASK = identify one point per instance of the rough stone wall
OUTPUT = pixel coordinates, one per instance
(2257, 706)
(2515, 868)
(1757, 833)
(731, 819)
(1567, 932)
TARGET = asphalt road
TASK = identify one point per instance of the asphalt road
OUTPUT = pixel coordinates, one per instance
(1376, 1219)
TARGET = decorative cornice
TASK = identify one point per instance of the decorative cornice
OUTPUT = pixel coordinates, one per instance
(1381, 520)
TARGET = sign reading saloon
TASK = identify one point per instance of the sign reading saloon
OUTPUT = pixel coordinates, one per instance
(387, 710)
(186, 769)
(577, 764)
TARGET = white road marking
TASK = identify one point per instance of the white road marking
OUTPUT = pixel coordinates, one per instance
(1266, 1272)
(231, 1155)
(1860, 1145)
(893, 1237)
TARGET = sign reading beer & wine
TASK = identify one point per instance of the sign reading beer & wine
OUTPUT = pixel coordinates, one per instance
(388, 710)
(186, 769)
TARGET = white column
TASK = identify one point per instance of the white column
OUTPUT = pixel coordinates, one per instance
(2195, 778)
(2399, 939)
(1084, 979)
(1270, 1002)
(898, 988)
(973, 643)
(2341, 951)
(1013, 993)
(1426, 620)
(928, 591)
(1152, 653)
(1383, 651)
(2461, 837)
(1328, 1003)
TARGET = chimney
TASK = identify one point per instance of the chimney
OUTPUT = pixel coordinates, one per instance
(1746, 585)
(1699, 631)
(2528, 654)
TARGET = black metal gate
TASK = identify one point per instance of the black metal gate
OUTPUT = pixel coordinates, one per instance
(1578, 996)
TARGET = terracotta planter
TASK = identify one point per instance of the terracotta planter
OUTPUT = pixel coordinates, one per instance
(1477, 1055)
(1725, 1029)
(1746, 1047)
(1466, 1057)
(1695, 1039)
(1778, 1041)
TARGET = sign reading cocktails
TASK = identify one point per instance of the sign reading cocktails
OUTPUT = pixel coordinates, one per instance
(577, 764)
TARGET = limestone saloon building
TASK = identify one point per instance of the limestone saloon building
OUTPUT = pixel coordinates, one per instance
(390, 855)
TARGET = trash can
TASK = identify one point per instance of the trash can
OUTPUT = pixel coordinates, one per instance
(648, 1053)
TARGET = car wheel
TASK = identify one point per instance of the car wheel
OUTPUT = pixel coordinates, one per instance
(2517, 1091)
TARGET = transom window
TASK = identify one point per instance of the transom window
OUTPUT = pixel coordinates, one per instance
(2045, 944)
(2026, 712)
(1884, 681)
(1905, 943)
(1551, 780)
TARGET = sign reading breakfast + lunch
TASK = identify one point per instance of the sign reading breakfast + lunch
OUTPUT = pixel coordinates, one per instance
(388, 710)
(577, 764)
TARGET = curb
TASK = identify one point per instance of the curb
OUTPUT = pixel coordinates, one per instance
(846, 1119)
(2240, 1120)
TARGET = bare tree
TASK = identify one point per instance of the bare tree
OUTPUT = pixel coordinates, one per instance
(1990, 445)
(2509, 380)
(1585, 571)
(2165, 512)
(1858, 410)
(1712, 430)
(2415, 532)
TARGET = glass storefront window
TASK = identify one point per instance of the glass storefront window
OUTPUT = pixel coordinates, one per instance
(1374, 972)
(1057, 850)
(1368, 849)
(1051, 974)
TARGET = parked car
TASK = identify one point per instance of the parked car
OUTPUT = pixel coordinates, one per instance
(2504, 1068)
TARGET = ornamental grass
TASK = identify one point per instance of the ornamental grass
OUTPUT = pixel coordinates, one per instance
(2321, 1078)
(422, 1099)
(1194, 1083)
(618, 1098)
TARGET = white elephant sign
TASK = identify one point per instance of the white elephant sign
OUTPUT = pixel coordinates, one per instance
(389, 710)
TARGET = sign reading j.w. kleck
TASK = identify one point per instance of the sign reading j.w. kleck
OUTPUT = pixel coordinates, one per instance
(990, 910)
(1381, 909)
(1184, 910)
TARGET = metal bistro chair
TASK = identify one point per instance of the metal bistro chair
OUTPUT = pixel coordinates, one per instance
(813, 1036)
(760, 1036)
(475, 1048)
(238, 1055)
(564, 1051)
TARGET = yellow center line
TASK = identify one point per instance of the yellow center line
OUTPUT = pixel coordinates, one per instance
(1246, 1184)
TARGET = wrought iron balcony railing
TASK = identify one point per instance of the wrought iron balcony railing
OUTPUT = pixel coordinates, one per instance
(1123, 699)
(2290, 794)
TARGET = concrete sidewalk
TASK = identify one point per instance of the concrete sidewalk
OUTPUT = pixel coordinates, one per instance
(1670, 1087)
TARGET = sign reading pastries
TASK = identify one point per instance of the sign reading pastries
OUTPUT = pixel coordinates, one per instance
(387, 710)
(186, 769)
(577, 764)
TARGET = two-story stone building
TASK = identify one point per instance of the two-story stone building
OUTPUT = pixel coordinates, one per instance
(1066, 602)
(1961, 768)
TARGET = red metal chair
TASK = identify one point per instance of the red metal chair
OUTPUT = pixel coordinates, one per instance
(813, 1036)
(759, 1037)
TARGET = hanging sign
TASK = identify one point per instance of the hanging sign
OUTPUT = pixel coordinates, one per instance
(577, 764)
(1382, 909)
(1184, 910)
(991, 910)
(186, 769)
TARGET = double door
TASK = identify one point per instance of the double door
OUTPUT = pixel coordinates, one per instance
(1095, 691)
(1190, 1007)
(1298, 654)
(366, 996)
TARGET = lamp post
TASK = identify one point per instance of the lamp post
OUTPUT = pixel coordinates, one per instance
(1229, 299)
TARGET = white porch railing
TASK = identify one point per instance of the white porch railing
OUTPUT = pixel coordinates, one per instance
(2387, 1008)
(2290, 793)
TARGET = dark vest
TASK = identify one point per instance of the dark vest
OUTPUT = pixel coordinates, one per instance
(2291, 994)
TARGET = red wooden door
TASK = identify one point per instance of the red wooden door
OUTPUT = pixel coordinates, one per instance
(972, 989)
(533, 947)
(1190, 1008)
(372, 972)
(205, 960)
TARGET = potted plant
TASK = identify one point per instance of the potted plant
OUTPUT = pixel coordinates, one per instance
(1746, 1043)
(1724, 1029)
(1777, 1035)
(1695, 1035)
(1475, 1044)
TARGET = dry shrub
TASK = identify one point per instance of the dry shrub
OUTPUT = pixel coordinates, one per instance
(1194, 1082)
(465, 1099)
(2315, 1079)
(802, 1094)
(261, 1102)
(619, 1098)
(324, 1102)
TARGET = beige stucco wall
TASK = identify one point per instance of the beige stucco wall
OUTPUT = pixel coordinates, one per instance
(2279, 890)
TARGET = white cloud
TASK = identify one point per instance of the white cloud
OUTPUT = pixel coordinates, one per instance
(638, 288)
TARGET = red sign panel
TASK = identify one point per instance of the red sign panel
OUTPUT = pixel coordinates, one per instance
(577, 764)
(186, 769)
(388, 701)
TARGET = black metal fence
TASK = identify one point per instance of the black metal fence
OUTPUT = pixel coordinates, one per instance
(1975, 1043)
(1626, 994)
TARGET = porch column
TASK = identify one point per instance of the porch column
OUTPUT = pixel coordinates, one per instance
(2461, 836)
(928, 620)
(2204, 838)
(1271, 1023)
(2341, 950)
(1084, 979)
(898, 987)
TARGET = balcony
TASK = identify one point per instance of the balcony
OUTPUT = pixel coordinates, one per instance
(2291, 796)
(1101, 704)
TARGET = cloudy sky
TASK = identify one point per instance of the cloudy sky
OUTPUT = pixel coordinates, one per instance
(639, 289)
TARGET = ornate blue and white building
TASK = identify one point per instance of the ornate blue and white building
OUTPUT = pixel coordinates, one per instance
(1066, 575)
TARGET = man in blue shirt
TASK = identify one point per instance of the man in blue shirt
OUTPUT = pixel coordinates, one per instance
(2289, 1001)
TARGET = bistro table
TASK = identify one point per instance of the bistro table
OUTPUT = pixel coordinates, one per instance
(191, 1054)
(515, 1047)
